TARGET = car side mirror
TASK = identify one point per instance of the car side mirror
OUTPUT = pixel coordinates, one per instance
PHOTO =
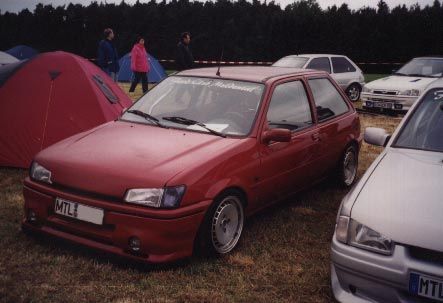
(376, 136)
(276, 135)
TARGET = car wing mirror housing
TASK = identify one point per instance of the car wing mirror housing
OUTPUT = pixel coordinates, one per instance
(276, 135)
(376, 136)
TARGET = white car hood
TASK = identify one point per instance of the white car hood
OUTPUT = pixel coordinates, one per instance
(400, 83)
(403, 198)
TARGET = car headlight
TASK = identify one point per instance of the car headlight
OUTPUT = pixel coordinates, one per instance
(168, 197)
(366, 90)
(353, 233)
(411, 92)
(39, 173)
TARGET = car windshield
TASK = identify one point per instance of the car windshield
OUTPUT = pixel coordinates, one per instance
(422, 67)
(297, 62)
(216, 106)
(424, 128)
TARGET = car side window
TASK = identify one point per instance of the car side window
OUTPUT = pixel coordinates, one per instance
(289, 107)
(342, 65)
(320, 64)
(328, 101)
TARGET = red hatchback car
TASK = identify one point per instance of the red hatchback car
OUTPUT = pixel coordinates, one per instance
(187, 162)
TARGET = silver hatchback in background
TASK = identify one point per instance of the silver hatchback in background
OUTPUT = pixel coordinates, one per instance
(398, 92)
(345, 72)
(388, 240)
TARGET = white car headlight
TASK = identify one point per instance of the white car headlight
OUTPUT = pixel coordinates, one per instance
(39, 173)
(169, 197)
(411, 92)
(366, 90)
(353, 233)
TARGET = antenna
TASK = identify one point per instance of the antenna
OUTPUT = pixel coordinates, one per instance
(219, 62)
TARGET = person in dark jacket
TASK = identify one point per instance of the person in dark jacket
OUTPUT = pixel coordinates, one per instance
(184, 58)
(107, 56)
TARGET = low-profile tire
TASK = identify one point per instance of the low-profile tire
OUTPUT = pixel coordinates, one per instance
(222, 226)
(353, 92)
(348, 166)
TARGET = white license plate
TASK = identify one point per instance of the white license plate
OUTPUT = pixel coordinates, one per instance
(78, 211)
(425, 286)
(382, 104)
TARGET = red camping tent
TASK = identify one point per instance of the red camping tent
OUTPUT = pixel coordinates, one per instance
(49, 98)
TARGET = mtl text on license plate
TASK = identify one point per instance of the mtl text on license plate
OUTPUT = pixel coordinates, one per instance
(425, 286)
(78, 211)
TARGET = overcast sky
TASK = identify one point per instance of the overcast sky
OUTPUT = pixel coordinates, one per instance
(17, 5)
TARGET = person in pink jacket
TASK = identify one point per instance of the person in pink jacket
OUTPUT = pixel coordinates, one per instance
(139, 65)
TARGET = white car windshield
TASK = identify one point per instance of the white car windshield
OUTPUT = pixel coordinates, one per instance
(296, 62)
(226, 107)
(422, 67)
(424, 129)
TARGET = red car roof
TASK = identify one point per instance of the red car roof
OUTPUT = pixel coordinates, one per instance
(247, 73)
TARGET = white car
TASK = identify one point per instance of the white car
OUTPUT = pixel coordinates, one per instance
(387, 245)
(345, 72)
(399, 91)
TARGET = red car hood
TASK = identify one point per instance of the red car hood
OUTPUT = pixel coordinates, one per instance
(120, 155)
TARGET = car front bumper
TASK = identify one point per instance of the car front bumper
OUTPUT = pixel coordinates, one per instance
(387, 102)
(358, 275)
(163, 238)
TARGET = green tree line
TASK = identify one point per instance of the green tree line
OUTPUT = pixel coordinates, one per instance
(252, 31)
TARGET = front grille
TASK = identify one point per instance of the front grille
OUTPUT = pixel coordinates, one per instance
(427, 255)
(85, 194)
(386, 92)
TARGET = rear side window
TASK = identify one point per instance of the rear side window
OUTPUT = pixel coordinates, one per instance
(106, 90)
(342, 65)
(289, 107)
(328, 101)
(320, 64)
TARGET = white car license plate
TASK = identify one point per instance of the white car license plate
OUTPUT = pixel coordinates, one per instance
(382, 104)
(425, 286)
(79, 211)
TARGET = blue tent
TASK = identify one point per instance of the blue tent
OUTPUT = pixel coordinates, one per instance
(22, 52)
(155, 75)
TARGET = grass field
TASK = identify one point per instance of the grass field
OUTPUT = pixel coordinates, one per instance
(282, 257)
(372, 77)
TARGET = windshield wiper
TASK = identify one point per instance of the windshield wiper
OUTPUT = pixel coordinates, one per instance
(146, 116)
(186, 121)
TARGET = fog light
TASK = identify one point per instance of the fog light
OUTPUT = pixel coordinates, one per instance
(32, 217)
(368, 103)
(398, 106)
(134, 244)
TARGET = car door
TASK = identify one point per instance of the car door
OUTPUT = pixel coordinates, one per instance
(343, 72)
(286, 166)
(334, 122)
